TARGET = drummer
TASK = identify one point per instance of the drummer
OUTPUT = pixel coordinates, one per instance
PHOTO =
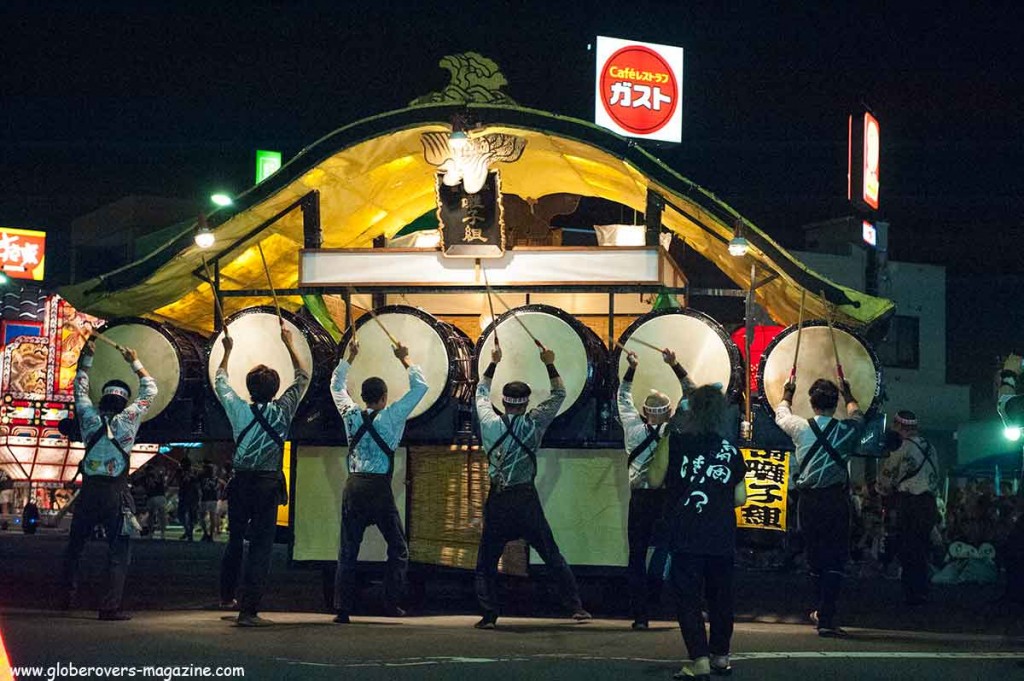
(513, 509)
(373, 436)
(258, 487)
(109, 435)
(824, 445)
(644, 435)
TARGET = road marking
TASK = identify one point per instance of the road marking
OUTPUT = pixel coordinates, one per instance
(750, 657)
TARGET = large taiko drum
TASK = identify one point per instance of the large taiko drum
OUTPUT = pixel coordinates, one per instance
(818, 360)
(701, 345)
(580, 356)
(172, 356)
(442, 351)
(257, 340)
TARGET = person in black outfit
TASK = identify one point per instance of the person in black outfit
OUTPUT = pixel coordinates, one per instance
(208, 490)
(188, 498)
(704, 484)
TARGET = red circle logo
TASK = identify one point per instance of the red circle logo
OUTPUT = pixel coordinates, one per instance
(639, 90)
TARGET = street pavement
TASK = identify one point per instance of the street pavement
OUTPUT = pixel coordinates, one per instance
(965, 633)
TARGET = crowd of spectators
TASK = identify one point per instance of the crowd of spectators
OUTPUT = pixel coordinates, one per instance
(195, 496)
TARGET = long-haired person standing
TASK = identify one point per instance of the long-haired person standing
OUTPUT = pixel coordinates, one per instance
(704, 483)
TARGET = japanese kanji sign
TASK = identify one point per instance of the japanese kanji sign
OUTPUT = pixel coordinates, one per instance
(767, 484)
(22, 252)
(472, 225)
(639, 89)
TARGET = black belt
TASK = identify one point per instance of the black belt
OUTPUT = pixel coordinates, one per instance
(369, 476)
(498, 487)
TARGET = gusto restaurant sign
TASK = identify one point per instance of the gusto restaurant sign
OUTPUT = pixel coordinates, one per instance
(639, 89)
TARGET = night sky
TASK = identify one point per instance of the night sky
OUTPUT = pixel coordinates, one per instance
(129, 98)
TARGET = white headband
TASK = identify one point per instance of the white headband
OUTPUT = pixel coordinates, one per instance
(904, 421)
(517, 400)
(657, 409)
(116, 390)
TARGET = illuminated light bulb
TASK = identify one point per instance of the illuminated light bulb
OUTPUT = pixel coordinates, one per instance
(458, 140)
(204, 238)
(738, 246)
(221, 200)
(1012, 433)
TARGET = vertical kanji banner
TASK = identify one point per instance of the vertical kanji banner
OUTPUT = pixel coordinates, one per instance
(767, 484)
(472, 224)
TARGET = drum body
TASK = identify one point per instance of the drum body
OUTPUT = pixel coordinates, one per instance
(817, 360)
(257, 340)
(172, 356)
(701, 345)
(580, 356)
(438, 348)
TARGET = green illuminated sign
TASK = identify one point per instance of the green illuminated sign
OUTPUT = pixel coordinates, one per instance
(267, 163)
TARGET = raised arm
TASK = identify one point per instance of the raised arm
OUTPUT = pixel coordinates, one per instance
(628, 414)
(784, 418)
(289, 344)
(401, 408)
(88, 416)
(228, 344)
(147, 388)
(545, 412)
(853, 411)
(339, 390)
(684, 379)
(226, 395)
(484, 409)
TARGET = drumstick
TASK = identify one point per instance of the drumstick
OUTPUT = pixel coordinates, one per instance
(490, 304)
(373, 316)
(97, 336)
(799, 330)
(270, 281)
(216, 298)
(638, 342)
(516, 317)
(835, 348)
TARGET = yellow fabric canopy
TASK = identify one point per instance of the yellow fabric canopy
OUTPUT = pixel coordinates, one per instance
(373, 180)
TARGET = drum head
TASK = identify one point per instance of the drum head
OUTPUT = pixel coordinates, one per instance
(701, 346)
(257, 340)
(817, 360)
(520, 359)
(156, 352)
(414, 329)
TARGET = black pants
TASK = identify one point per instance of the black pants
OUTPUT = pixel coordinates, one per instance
(825, 522)
(516, 513)
(188, 510)
(252, 504)
(915, 519)
(368, 500)
(694, 576)
(646, 508)
(99, 503)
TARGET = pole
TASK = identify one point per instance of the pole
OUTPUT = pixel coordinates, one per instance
(216, 296)
(835, 348)
(270, 281)
(799, 331)
(490, 305)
